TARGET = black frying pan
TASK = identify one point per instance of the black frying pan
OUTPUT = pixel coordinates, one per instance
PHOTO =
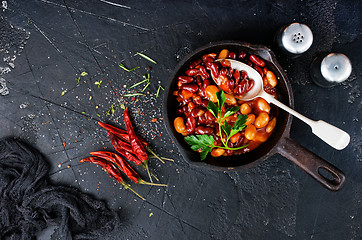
(279, 141)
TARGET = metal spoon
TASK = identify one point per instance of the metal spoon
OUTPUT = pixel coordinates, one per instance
(332, 135)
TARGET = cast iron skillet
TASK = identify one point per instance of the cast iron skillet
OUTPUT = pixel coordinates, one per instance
(279, 141)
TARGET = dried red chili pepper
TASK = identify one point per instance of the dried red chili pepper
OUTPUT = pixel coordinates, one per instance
(118, 143)
(119, 132)
(124, 166)
(123, 148)
(111, 170)
(136, 144)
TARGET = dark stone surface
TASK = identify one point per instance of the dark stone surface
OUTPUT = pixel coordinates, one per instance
(54, 41)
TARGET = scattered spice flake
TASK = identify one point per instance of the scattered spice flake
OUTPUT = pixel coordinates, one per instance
(98, 115)
(147, 57)
(126, 69)
(84, 74)
(78, 79)
(83, 112)
(90, 98)
(154, 120)
(64, 144)
(98, 83)
(123, 106)
(134, 94)
(150, 214)
(68, 166)
(63, 93)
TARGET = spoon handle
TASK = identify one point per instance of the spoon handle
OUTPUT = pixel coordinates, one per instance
(330, 134)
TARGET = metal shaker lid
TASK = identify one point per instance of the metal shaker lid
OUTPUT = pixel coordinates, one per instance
(336, 67)
(297, 38)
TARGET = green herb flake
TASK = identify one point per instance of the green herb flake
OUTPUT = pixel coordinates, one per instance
(78, 79)
(147, 57)
(90, 98)
(139, 83)
(98, 115)
(126, 69)
(123, 106)
(151, 214)
(63, 93)
(98, 83)
(83, 112)
(134, 94)
(111, 111)
(84, 74)
(158, 90)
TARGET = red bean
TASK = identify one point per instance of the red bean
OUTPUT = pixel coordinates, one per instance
(202, 119)
(223, 72)
(190, 124)
(209, 117)
(179, 111)
(190, 87)
(251, 85)
(232, 55)
(185, 79)
(207, 56)
(192, 72)
(214, 69)
(197, 112)
(197, 100)
(186, 101)
(256, 60)
(195, 63)
(199, 81)
(242, 55)
(241, 88)
(236, 76)
(225, 63)
(259, 70)
(244, 75)
(205, 103)
(203, 72)
(204, 130)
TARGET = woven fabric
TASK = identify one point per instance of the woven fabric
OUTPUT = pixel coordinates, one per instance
(29, 202)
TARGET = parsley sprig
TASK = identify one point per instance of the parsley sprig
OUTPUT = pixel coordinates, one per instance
(205, 143)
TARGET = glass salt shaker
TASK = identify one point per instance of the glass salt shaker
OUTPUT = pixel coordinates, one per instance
(328, 70)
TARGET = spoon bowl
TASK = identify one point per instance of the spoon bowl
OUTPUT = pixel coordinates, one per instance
(330, 134)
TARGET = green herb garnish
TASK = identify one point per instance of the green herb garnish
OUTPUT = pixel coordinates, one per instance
(126, 69)
(147, 57)
(63, 93)
(205, 143)
(84, 74)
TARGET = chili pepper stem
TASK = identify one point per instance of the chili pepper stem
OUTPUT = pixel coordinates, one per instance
(127, 186)
(168, 159)
(154, 154)
(145, 165)
(141, 181)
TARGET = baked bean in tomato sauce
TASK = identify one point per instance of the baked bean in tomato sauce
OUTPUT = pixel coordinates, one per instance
(196, 87)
